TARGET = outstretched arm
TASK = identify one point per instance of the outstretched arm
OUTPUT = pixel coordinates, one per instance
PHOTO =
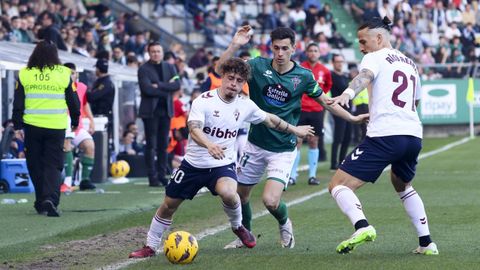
(360, 82)
(196, 132)
(275, 122)
(242, 36)
(337, 110)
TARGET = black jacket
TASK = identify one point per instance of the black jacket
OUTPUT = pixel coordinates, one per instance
(101, 96)
(151, 96)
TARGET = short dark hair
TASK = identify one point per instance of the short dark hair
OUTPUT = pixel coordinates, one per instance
(237, 66)
(71, 66)
(153, 43)
(283, 33)
(129, 124)
(377, 22)
(312, 44)
(244, 54)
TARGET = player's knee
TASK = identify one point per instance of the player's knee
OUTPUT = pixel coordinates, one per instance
(270, 202)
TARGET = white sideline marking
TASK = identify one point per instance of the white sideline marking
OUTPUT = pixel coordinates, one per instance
(218, 229)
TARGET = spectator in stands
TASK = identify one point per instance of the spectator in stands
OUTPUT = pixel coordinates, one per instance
(158, 80)
(199, 59)
(453, 15)
(118, 56)
(356, 8)
(297, 17)
(137, 45)
(321, 26)
(452, 31)
(385, 10)
(438, 17)
(266, 19)
(413, 46)
(233, 17)
(49, 30)
(370, 10)
(137, 144)
(468, 15)
(126, 144)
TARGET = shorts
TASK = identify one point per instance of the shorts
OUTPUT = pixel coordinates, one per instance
(368, 160)
(81, 135)
(188, 180)
(255, 161)
(314, 119)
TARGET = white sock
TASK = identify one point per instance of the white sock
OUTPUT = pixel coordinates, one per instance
(234, 214)
(68, 181)
(416, 211)
(157, 228)
(348, 203)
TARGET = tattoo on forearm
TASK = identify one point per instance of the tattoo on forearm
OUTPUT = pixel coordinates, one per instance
(361, 81)
(194, 124)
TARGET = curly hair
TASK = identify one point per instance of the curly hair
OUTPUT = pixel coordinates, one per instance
(45, 55)
(237, 66)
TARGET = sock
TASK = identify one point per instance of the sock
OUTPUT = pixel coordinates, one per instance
(312, 162)
(234, 214)
(416, 211)
(362, 223)
(281, 213)
(294, 173)
(157, 228)
(247, 216)
(348, 203)
(87, 167)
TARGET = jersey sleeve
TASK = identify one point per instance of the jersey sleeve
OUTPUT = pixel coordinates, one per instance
(255, 114)
(197, 111)
(371, 63)
(312, 88)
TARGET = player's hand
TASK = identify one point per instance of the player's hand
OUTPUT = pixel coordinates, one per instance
(91, 128)
(304, 131)
(342, 100)
(216, 151)
(243, 35)
(361, 118)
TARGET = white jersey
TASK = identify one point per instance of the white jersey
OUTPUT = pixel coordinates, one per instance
(221, 121)
(392, 94)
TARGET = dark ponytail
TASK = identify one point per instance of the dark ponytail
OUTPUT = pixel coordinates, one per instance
(377, 22)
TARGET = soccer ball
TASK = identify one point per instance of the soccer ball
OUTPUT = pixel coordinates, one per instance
(180, 247)
(119, 169)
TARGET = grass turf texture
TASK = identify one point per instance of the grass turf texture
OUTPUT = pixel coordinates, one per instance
(445, 182)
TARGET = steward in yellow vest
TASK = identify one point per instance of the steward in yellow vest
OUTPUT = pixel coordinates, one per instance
(43, 93)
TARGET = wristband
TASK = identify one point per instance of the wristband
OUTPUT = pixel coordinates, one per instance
(349, 92)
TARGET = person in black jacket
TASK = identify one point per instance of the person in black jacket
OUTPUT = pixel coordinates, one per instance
(100, 97)
(157, 80)
(50, 32)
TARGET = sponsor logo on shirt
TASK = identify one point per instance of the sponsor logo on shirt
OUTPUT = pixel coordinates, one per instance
(267, 73)
(220, 133)
(276, 94)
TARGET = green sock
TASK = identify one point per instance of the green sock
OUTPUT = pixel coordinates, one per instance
(68, 164)
(281, 213)
(87, 166)
(247, 216)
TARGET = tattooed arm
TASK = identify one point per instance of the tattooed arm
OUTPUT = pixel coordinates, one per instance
(196, 133)
(360, 82)
(275, 122)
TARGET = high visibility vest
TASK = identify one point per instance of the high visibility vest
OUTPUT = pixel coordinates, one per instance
(361, 98)
(45, 104)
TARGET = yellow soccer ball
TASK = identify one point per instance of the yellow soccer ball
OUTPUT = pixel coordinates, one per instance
(119, 169)
(180, 247)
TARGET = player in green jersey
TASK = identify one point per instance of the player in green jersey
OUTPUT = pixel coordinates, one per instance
(276, 86)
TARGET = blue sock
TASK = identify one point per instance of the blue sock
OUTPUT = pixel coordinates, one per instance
(294, 173)
(312, 162)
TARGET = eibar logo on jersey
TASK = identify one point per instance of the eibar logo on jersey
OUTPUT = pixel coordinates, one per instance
(296, 81)
(236, 114)
(208, 94)
(216, 113)
(219, 133)
(268, 73)
(356, 154)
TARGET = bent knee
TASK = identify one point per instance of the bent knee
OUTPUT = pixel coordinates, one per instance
(271, 203)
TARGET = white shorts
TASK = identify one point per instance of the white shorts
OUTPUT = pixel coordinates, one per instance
(255, 161)
(82, 135)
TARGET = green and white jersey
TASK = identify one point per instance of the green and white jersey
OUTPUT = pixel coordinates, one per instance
(278, 94)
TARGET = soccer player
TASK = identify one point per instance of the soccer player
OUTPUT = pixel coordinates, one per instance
(213, 122)
(312, 114)
(394, 135)
(276, 87)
